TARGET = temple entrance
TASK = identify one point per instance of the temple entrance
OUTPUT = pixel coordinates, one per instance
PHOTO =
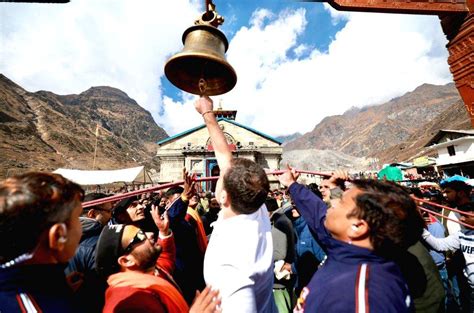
(212, 169)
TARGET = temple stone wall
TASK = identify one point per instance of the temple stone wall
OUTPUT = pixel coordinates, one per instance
(191, 150)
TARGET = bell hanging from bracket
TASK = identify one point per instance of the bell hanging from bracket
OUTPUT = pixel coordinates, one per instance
(201, 68)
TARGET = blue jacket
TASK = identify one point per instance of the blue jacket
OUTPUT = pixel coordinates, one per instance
(352, 279)
(24, 288)
(188, 272)
(90, 295)
(305, 240)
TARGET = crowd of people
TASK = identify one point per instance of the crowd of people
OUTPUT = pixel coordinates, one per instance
(345, 245)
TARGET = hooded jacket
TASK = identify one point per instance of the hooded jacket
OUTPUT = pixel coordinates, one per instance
(352, 279)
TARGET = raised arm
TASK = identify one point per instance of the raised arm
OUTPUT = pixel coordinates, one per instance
(450, 243)
(223, 154)
(309, 205)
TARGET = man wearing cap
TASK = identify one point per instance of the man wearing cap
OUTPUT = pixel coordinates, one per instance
(130, 211)
(239, 256)
(138, 271)
(461, 241)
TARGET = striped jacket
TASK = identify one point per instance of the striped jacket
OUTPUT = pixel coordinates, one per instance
(35, 289)
(463, 240)
(352, 279)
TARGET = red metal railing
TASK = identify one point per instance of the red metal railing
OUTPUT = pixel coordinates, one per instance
(126, 195)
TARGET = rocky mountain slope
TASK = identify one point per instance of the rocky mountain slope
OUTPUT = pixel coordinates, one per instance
(288, 138)
(44, 131)
(454, 117)
(323, 160)
(387, 131)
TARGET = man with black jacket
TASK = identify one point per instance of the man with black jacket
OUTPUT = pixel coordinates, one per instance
(90, 288)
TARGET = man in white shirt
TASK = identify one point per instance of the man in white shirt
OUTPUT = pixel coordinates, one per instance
(238, 260)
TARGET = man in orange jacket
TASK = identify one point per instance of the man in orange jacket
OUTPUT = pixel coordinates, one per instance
(138, 271)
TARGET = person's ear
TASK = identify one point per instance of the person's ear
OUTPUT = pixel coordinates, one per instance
(224, 199)
(359, 229)
(57, 236)
(91, 213)
(126, 261)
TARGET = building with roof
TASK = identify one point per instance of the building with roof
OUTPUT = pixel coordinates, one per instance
(455, 150)
(193, 149)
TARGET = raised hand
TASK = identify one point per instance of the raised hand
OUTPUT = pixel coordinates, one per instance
(339, 175)
(203, 104)
(289, 176)
(161, 221)
(189, 182)
(207, 301)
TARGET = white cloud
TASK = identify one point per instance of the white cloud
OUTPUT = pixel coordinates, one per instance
(336, 16)
(373, 58)
(69, 48)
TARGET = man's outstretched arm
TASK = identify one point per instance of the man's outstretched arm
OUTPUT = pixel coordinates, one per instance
(223, 154)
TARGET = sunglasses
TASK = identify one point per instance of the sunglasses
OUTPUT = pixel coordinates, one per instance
(138, 238)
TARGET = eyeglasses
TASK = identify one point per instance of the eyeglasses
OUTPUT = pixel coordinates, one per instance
(138, 238)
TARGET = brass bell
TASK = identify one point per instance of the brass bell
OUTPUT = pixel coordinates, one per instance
(201, 68)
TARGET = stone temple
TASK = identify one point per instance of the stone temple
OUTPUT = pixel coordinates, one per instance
(193, 149)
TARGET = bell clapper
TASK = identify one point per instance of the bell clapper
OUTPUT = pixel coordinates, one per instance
(202, 86)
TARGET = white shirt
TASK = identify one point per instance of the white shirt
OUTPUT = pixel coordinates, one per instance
(239, 262)
(452, 226)
(453, 242)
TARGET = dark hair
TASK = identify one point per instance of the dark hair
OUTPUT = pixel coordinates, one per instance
(247, 185)
(94, 196)
(390, 212)
(29, 204)
(457, 186)
(416, 192)
(315, 189)
(119, 212)
(174, 190)
(271, 204)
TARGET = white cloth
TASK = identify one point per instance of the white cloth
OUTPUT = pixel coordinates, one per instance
(452, 226)
(280, 273)
(239, 262)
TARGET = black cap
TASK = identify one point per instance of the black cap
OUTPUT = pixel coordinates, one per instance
(123, 205)
(109, 249)
(174, 190)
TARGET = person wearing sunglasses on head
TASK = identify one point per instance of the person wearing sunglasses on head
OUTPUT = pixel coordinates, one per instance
(138, 271)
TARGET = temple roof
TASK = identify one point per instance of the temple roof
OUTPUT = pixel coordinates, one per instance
(182, 134)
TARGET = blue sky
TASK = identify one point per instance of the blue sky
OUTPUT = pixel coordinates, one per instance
(319, 33)
(296, 62)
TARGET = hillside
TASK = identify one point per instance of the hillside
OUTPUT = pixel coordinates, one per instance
(44, 131)
(395, 130)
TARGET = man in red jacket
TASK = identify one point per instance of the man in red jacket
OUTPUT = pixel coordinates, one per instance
(138, 271)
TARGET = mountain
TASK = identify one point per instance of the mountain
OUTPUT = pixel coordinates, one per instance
(45, 131)
(386, 131)
(287, 138)
(322, 160)
(454, 117)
